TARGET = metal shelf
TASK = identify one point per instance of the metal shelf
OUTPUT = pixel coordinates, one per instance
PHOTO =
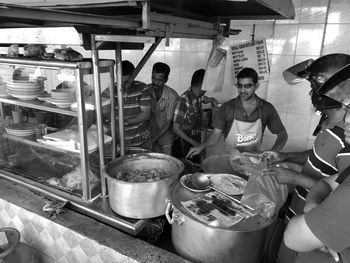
(39, 105)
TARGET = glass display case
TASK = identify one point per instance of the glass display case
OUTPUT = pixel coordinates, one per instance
(49, 137)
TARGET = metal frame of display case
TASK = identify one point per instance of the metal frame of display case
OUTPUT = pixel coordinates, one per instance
(78, 67)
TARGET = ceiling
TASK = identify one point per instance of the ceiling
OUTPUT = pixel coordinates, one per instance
(200, 19)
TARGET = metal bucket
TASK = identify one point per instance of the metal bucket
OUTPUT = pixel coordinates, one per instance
(199, 242)
(141, 199)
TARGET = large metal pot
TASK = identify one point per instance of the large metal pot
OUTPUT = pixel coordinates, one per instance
(199, 242)
(146, 199)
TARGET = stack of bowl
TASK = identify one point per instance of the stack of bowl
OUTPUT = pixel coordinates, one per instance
(63, 98)
(24, 130)
(24, 89)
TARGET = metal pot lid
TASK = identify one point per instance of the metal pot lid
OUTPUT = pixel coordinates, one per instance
(179, 194)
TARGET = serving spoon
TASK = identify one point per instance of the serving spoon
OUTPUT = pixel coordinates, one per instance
(202, 182)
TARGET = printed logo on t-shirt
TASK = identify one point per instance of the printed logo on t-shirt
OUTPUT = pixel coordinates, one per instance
(246, 138)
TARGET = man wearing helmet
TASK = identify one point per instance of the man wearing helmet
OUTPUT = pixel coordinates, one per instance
(327, 156)
(325, 222)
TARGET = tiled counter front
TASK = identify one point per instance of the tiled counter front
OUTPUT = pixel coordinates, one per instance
(70, 237)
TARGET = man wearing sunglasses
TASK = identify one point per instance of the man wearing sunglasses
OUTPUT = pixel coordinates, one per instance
(242, 120)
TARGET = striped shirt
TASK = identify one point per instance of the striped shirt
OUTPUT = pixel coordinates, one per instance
(188, 112)
(330, 155)
(138, 133)
(163, 113)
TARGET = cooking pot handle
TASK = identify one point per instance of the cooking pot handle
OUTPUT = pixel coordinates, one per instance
(169, 208)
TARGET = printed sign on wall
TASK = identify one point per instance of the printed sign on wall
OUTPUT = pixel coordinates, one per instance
(252, 54)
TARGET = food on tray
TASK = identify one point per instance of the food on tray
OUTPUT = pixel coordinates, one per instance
(215, 210)
(247, 163)
(144, 175)
(12, 51)
(34, 50)
(229, 184)
(72, 180)
(67, 54)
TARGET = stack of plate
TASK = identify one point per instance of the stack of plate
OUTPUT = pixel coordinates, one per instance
(63, 98)
(23, 89)
(22, 129)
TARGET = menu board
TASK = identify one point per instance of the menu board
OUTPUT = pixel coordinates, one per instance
(252, 54)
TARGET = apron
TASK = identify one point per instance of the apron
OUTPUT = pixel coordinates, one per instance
(245, 136)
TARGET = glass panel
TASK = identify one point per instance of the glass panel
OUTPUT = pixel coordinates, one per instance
(39, 133)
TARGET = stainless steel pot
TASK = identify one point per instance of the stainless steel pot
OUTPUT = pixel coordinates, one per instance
(146, 199)
(199, 242)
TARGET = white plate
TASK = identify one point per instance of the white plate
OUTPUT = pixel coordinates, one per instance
(24, 97)
(228, 183)
(185, 181)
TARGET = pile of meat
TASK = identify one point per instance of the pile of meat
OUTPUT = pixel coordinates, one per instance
(145, 175)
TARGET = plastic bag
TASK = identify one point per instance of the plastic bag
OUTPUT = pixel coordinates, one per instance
(264, 194)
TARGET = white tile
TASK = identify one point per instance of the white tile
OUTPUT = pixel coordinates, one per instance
(309, 39)
(174, 45)
(337, 38)
(278, 94)
(297, 7)
(157, 56)
(297, 126)
(204, 45)
(235, 23)
(187, 44)
(172, 58)
(244, 36)
(314, 11)
(299, 100)
(339, 11)
(284, 41)
(294, 146)
(202, 59)
(187, 62)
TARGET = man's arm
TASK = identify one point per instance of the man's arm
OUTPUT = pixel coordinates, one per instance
(144, 115)
(162, 131)
(177, 129)
(281, 140)
(211, 100)
(299, 237)
(210, 141)
(320, 191)
(288, 176)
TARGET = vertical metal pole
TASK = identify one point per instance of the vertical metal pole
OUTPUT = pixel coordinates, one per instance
(112, 97)
(97, 88)
(83, 137)
(2, 113)
(118, 58)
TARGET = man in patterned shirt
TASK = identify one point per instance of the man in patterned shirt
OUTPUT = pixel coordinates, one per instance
(137, 110)
(163, 106)
(188, 115)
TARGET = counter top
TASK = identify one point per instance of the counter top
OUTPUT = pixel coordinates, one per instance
(131, 249)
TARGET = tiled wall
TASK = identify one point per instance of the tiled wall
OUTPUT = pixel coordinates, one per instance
(320, 27)
(53, 243)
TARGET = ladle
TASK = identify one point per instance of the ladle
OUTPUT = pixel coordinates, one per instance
(202, 182)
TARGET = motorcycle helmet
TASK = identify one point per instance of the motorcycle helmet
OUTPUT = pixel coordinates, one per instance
(320, 71)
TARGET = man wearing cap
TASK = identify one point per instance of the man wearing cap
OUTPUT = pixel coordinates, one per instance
(325, 225)
(328, 157)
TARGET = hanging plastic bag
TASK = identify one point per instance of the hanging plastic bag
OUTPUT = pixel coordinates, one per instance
(264, 194)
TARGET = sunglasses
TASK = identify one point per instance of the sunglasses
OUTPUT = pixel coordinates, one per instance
(245, 86)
